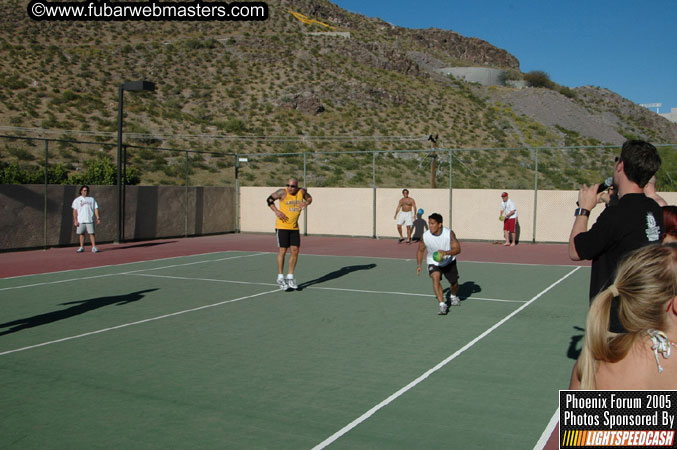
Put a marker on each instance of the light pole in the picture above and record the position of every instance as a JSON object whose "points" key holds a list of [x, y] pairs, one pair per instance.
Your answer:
{"points": [[131, 86], [433, 163]]}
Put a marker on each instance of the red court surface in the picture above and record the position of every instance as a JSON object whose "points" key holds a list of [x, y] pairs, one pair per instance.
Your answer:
{"points": [[65, 258]]}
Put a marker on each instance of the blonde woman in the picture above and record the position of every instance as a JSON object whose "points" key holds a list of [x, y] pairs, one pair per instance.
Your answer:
{"points": [[646, 291]]}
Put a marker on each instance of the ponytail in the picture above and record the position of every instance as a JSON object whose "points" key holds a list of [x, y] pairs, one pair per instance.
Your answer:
{"points": [[645, 283], [595, 345]]}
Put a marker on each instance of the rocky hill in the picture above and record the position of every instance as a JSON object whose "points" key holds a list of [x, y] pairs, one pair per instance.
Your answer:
{"points": [[284, 86]]}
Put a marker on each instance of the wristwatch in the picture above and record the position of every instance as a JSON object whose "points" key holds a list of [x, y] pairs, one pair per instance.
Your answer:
{"points": [[581, 212]]}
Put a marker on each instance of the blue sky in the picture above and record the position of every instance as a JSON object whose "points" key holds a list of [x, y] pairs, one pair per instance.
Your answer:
{"points": [[627, 46]]}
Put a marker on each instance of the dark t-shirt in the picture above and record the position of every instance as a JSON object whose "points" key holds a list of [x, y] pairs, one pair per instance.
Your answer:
{"points": [[635, 221], [420, 226]]}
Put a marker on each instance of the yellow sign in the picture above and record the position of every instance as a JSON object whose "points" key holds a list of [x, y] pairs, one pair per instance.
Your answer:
{"points": [[308, 21]]}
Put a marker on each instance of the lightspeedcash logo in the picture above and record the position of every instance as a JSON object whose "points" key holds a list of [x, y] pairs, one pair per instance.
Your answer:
{"points": [[104, 10]]}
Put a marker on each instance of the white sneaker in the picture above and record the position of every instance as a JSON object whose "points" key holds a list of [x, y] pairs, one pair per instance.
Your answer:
{"points": [[455, 301], [291, 283], [95, 250], [81, 249], [282, 284], [444, 309]]}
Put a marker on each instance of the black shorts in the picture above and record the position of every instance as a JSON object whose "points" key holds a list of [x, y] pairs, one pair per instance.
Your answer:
{"points": [[450, 271], [288, 238]]}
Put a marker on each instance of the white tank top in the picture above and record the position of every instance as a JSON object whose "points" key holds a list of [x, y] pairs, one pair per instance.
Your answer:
{"points": [[434, 243]]}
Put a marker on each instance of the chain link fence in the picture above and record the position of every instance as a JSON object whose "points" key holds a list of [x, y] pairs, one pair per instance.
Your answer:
{"points": [[563, 168], [26, 160], [57, 161]]}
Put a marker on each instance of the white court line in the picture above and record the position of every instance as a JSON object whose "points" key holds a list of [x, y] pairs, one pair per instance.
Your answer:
{"points": [[425, 375], [46, 283], [178, 313], [214, 280], [548, 432], [135, 273], [265, 253], [118, 265], [56, 282], [461, 261], [407, 293], [171, 277]]}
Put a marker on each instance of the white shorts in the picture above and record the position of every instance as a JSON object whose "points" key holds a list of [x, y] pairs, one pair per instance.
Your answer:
{"points": [[85, 226], [406, 218]]}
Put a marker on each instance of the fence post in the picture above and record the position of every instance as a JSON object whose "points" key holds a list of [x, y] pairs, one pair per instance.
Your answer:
{"points": [[533, 238], [46, 192], [237, 192], [123, 213], [185, 214], [373, 184], [451, 190], [305, 214]]}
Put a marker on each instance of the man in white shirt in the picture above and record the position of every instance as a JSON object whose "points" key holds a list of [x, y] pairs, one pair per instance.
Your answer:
{"points": [[508, 215], [443, 241], [85, 209]]}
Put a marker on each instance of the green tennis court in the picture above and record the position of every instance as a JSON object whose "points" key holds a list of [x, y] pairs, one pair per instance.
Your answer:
{"points": [[206, 352]]}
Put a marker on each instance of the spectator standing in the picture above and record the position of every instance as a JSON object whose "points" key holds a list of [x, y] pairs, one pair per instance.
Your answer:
{"points": [[669, 224], [645, 288], [85, 211], [404, 214], [508, 215], [633, 222], [420, 226]]}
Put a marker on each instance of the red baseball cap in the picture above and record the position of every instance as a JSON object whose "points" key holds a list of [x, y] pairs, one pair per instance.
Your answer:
{"points": [[505, 194]]}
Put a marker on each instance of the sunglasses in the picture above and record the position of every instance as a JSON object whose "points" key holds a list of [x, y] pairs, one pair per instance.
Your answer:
{"points": [[293, 185]]}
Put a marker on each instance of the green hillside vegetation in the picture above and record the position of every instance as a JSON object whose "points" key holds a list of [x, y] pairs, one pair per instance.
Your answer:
{"points": [[270, 88]]}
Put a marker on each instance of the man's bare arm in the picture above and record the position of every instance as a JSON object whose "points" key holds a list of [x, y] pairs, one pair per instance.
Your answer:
{"points": [[587, 199], [419, 256], [307, 199], [455, 246], [277, 195]]}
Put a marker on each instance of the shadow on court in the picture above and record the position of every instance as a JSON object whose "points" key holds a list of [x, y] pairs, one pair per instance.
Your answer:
{"points": [[145, 244], [336, 274], [80, 307], [467, 289], [576, 344]]}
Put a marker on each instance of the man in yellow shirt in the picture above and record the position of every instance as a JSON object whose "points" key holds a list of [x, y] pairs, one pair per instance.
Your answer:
{"points": [[292, 201]]}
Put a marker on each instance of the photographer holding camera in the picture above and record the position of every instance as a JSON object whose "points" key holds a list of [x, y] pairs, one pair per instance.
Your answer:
{"points": [[633, 222]]}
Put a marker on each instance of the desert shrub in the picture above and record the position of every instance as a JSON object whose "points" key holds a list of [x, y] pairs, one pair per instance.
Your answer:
{"points": [[102, 171], [512, 75], [20, 153], [538, 78], [14, 173], [567, 92]]}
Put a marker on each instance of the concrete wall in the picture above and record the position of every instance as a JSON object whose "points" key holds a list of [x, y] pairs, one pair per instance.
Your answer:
{"points": [[483, 75], [168, 211], [151, 212], [671, 116], [350, 212]]}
